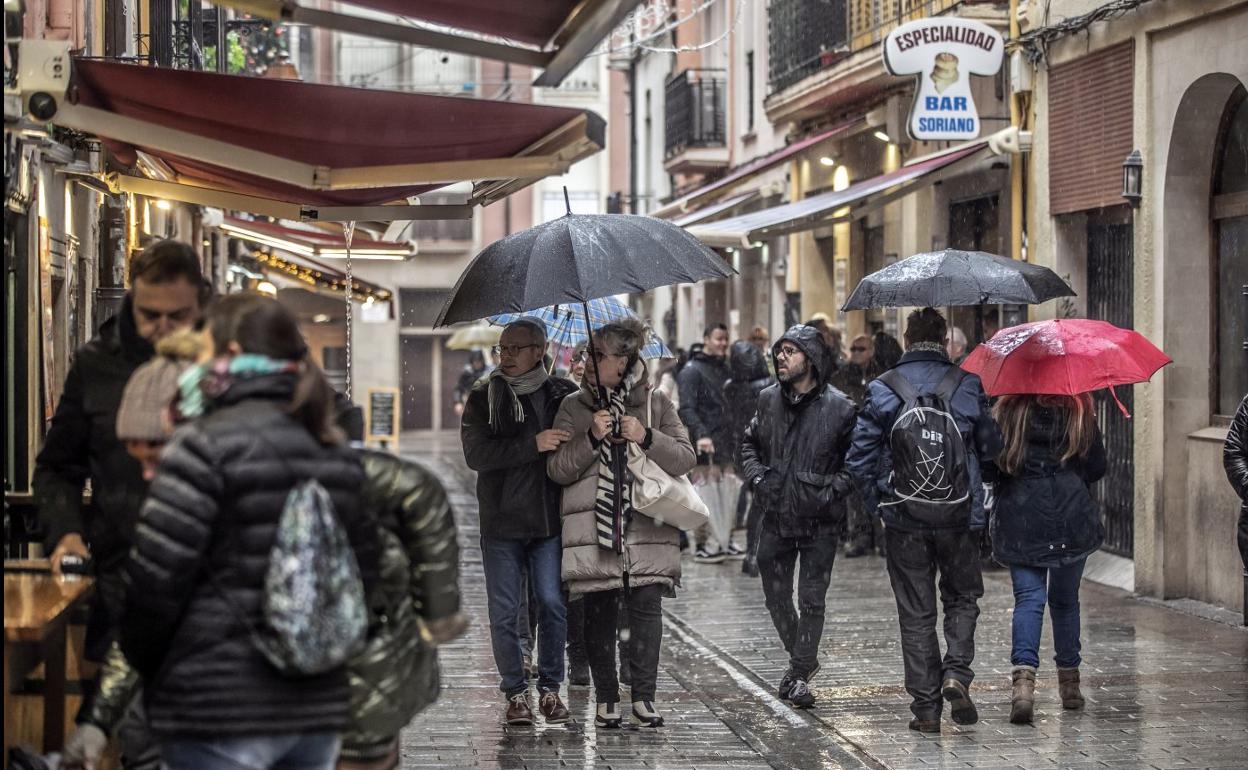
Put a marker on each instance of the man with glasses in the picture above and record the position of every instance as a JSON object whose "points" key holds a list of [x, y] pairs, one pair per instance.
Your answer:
{"points": [[793, 455], [507, 434]]}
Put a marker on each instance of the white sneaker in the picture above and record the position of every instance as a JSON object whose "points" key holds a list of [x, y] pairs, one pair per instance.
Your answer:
{"points": [[644, 712], [608, 715], [706, 556], [734, 552]]}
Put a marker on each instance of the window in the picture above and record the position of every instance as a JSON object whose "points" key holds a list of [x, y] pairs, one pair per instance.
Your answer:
{"points": [[1230, 274], [749, 92]]}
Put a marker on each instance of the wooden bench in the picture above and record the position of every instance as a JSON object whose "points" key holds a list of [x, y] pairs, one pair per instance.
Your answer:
{"points": [[37, 608]]}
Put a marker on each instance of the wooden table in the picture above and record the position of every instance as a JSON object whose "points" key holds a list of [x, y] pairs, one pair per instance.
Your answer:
{"points": [[37, 608]]}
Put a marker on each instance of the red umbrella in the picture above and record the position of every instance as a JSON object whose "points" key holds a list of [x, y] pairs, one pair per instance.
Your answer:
{"points": [[1064, 357]]}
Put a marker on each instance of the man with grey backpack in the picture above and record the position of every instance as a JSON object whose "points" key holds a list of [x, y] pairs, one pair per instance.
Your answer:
{"points": [[922, 434], [258, 483]]}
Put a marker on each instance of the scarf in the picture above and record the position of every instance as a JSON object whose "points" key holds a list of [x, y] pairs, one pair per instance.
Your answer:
{"points": [[201, 384], [614, 498], [506, 411], [928, 347]]}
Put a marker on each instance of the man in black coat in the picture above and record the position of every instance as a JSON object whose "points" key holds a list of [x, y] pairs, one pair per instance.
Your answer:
{"points": [[506, 434], [794, 457], [1235, 459], [167, 293], [704, 411]]}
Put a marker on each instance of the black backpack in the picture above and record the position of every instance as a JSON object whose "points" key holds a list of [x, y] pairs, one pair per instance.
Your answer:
{"points": [[930, 480]]}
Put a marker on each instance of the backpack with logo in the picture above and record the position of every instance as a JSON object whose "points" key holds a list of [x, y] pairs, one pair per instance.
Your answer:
{"points": [[930, 480], [314, 616]]}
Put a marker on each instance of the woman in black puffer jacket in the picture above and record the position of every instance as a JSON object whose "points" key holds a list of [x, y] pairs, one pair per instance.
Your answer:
{"points": [[750, 376], [1044, 526], [262, 422]]}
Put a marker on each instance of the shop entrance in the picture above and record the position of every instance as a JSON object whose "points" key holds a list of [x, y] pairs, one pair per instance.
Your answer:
{"points": [[1110, 267]]}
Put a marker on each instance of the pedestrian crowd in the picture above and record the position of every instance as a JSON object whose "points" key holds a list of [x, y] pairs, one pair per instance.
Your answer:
{"points": [[272, 594]]}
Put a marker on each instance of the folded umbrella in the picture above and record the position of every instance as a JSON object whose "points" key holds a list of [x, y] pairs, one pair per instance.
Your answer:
{"points": [[1064, 357], [566, 324], [475, 337], [954, 277]]}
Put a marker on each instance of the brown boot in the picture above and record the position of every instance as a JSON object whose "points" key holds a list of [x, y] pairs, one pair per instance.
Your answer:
{"points": [[1023, 699], [1068, 688]]}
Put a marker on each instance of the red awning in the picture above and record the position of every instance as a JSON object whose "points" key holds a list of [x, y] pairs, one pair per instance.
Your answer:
{"points": [[309, 242], [552, 34], [746, 170], [318, 145]]}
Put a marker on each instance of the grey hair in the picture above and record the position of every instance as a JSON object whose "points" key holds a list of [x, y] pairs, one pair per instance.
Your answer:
{"points": [[622, 338], [537, 329]]}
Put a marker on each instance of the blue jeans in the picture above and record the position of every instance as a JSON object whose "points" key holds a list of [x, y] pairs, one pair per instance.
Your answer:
{"points": [[292, 751], [1059, 588], [505, 560]]}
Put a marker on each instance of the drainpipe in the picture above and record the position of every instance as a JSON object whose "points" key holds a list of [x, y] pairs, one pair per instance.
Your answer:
{"points": [[632, 131], [1016, 163]]}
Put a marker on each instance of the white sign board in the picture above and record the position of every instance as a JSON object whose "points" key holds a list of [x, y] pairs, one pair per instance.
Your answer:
{"points": [[944, 52]]}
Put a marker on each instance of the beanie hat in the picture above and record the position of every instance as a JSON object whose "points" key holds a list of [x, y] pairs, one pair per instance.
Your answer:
{"points": [[153, 387]]}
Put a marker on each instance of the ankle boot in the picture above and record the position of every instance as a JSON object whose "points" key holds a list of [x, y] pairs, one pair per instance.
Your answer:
{"points": [[1068, 688], [1024, 697]]}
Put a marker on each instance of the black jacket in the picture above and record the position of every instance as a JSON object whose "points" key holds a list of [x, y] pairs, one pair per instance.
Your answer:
{"points": [[1044, 515], [870, 460], [515, 496], [794, 450], [703, 409], [1235, 458], [750, 376], [82, 444], [194, 581]]}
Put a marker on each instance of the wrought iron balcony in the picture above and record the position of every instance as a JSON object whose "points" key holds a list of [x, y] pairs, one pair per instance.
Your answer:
{"points": [[694, 120], [804, 36]]}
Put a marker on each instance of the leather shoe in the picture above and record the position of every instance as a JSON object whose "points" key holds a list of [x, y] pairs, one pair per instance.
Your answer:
{"points": [[519, 712], [552, 708], [961, 709], [925, 725]]}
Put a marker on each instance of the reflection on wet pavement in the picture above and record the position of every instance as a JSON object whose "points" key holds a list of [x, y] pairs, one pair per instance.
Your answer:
{"points": [[1163, 689]]}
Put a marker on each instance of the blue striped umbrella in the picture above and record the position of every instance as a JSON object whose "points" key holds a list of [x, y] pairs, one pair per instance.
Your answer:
{"points": [[566, 324]]}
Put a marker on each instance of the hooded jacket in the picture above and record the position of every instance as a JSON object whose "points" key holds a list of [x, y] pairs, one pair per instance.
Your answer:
{"points": [[1235, 460], [1045, 515], [516, 498], [651, 550], [702, 406], [870, 460], [195, 579], [750, 376], [82, 444], [794, 449]]}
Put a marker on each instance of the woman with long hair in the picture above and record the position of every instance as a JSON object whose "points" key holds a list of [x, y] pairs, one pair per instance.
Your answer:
{"points": [[611, 554], [259, 421], [1044, 526]]}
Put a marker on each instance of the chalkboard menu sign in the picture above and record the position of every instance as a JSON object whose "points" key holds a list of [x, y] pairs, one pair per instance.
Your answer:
{"points": [[382, 420]]}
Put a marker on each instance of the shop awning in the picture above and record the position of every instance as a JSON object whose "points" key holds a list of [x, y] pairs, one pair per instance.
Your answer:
{"points": [[307, 242], [551, 34], [692, 200], [320, 276], [818, 210], [715, 209], [307, 151]]}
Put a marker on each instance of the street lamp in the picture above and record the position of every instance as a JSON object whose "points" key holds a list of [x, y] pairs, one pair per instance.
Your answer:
{"points": [[1133, 178]]}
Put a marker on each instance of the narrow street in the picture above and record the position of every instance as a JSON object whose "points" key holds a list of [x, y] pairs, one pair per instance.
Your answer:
{"points": [[1164, 689]]}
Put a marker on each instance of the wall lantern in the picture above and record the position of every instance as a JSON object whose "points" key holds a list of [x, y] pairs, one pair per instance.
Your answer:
{"points": [[1133, 178]]}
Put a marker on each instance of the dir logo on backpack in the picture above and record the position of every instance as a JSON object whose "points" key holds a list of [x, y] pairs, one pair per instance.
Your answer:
{"points": [[930, 480]]}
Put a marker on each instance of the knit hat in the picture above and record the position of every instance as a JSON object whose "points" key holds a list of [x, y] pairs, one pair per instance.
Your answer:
{"points": [[153, 387]]}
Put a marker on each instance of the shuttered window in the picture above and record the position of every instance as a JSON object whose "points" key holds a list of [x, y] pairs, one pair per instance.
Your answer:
{"points": [[1090, 104]]}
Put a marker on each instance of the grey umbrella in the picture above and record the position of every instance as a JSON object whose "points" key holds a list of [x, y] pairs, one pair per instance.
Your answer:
{"points": [[955, 277], [577, 258]]}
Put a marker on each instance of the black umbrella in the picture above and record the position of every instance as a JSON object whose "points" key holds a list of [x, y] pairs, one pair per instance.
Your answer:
{"points": [[577, 258], [954, 277]]}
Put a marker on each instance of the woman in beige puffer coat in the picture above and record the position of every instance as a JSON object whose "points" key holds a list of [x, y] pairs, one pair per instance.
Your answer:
{"points": [[632, 557]]}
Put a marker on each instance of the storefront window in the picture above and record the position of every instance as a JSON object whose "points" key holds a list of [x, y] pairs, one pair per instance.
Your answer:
{"points": [[1231, 274]]}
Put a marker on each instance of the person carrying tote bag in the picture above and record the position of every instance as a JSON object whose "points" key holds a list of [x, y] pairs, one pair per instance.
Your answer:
{"points": [[659, 495], [612, 555]]}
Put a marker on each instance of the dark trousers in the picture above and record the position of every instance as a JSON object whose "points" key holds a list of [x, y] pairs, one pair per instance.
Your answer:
{"points": [[576, 629], [864, 528], [645, 634], [914, 558], [800, 628]]}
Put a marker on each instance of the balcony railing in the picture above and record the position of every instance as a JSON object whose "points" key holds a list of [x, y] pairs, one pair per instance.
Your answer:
{"points": [[807, 36], [694, 115]]}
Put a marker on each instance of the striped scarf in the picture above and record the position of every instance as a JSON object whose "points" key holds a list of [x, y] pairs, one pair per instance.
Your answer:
{"points": [[614, 492]]}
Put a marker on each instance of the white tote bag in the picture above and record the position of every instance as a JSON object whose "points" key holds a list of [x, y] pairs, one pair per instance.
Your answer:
{"points": [[659, 496]]}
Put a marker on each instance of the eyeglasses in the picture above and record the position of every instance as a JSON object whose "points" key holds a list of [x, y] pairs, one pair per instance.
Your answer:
{"points": [[787, 351], [857, 349], [512, 350]]}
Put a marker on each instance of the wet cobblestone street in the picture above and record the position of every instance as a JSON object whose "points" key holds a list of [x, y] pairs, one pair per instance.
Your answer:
{"points": [[1164, 689]]}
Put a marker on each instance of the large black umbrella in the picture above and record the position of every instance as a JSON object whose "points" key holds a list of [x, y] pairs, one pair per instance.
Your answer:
{"points": [[955, 277], [577, 258]]}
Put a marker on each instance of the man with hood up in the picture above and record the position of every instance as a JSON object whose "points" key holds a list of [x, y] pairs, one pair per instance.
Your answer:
{"points": [[793, 455]]}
